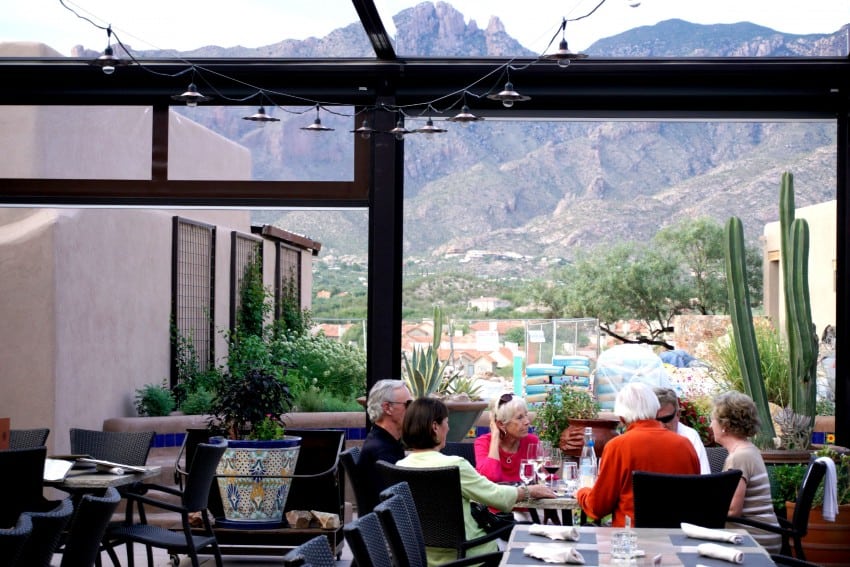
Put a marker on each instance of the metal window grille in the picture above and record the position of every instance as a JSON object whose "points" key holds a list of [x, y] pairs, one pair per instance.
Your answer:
{"points": [[193, 288], [244, 249], [288, 274]]}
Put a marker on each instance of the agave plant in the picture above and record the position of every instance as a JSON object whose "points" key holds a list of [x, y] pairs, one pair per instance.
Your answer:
{"points": [[424, 373]]}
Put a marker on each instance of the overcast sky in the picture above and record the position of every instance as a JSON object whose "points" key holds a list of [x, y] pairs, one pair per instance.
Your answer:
{"points": [[252, 23]]}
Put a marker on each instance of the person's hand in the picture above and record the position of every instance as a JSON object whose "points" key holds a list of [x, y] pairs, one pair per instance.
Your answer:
{"points": [[494, 428], [541, 491]]}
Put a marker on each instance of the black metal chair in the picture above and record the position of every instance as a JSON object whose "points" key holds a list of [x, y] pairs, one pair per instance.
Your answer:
{"points": [[707, 504], [797, 528], [791, 561], [125, 447], [192, 499], [716, 458], [12, 540], [404, 533], [83, 541], [350, 459], [28, 438], [367, 542], [47, 529], [440, 511], [22, 469], [460, 449], [312, 553]]}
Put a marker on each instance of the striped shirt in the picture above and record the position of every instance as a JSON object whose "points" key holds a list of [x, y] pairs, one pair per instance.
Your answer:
{"points": [[757, 500]]}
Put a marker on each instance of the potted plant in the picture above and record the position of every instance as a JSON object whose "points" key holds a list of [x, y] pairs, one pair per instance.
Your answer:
{"points": [[426, 375], [826, 542], [565, 413]]}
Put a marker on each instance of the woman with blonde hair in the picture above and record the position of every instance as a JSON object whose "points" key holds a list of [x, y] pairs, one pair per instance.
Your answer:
{"points": [[499, 452]]}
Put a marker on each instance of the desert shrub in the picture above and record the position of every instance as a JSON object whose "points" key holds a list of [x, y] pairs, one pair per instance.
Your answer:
{"points": [[154, 400]]}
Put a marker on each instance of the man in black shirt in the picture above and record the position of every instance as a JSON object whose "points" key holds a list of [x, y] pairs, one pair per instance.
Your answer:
{"points": [[387, 403]]}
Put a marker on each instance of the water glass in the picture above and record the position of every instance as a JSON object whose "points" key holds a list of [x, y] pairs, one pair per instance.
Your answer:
{"points": [[623, 545], [527, 471], [569, 476]]}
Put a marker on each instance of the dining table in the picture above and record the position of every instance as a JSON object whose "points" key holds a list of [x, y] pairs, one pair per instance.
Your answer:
{"points": [[91, 480], [565, 504], [656, 546]]}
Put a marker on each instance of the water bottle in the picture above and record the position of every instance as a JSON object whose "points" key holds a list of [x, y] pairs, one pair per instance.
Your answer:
{"points": [[587, 461]]}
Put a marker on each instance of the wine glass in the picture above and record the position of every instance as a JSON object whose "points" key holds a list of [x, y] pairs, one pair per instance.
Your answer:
{"points": [[527, 471], [544, 450], [552, 464]]}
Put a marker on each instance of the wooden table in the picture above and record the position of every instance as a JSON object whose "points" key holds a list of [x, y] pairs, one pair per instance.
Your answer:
{"points": [[88, 480], [675, 548], [565, 505]]}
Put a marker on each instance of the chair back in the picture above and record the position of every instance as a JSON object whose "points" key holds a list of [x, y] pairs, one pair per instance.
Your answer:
{"points": [[316, 484], [461, 449], [22, 469], [805, 497], [706, 504], [87, 528], [201, 475], [402, 529], [716, 458], [350, 459], [46, 533], [125, 447], [12, 540], [28, 438], [440, 511], [313, 553], [367, 542]]}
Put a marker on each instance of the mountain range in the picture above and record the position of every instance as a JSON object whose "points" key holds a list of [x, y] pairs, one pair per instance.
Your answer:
{"points": [[501, 198]]}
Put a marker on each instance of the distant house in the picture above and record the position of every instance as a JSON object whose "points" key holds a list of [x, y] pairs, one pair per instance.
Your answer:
{"points": [[487, 304]]}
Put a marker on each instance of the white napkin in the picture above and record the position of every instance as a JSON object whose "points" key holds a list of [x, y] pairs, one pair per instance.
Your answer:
{"points": [[554, 553], [718, 551], [109, 469], [699, 532], [830, 489], [565, 533]]}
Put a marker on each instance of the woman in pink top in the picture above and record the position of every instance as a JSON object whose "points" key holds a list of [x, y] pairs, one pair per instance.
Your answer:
{"points": [[498, 453]]}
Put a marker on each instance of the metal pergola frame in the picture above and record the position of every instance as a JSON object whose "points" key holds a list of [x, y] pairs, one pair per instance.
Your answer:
{"points": [[599, 89]]}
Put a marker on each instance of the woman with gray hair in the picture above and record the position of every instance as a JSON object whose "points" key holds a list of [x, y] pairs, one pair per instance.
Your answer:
{"points": [[734, 420], [498, 453], [645, 446]]}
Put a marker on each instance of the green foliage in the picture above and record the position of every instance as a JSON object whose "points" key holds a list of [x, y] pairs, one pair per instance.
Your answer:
{"points": [[464, 385], [515, 335], [773, 358], [355, 335], [254, 304], [192, 376], [199, 402], [245, 400], [269, 428], [553, 416], [154, 400], [335, 368], [293, 320], [312, 400], [424, 373], [786, 479]]}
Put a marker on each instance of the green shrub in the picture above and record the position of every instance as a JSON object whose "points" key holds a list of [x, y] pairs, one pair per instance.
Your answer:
{"points": [[312, 400], [334, 368], [198, 402], [154, 400]]}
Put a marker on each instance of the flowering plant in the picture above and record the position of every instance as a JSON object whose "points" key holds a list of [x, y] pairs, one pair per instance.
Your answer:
{"points": [[271, 427], [697, 417]]}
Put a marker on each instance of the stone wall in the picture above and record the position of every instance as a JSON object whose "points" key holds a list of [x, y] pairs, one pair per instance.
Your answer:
{"points": [[694, 333]]}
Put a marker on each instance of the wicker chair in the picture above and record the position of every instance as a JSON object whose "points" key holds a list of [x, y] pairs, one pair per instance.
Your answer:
{"points": [[313, 553], [46, 534], [707, 504], [22, 469], [83, 542], [716, 458], [461, 449], [125, 447], [367, 542], [12, 540], [28, 438], [350, 459]]}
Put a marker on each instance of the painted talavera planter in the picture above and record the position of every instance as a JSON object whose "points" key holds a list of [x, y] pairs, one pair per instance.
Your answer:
{"points": [[250, 481]]}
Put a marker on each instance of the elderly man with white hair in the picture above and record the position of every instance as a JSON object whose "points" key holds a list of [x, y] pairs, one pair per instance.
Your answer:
{"points": [[386, 405], [646, 445]]}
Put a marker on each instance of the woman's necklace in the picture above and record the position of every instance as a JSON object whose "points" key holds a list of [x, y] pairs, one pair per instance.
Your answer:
{"points": [[510, 453]]}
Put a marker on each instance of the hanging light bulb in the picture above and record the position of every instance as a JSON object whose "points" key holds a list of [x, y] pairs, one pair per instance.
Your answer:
{"points": [[429, 128], [564, 56], [465, 116], [508, 96], [364, 130], [399, 131], [316, 126], [261, 117], [108, 61], [191, 97]]}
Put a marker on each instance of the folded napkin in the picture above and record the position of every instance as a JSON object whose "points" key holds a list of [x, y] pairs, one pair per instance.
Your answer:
{"points": [[830, 486], [554, 553], [109, 469], [566, 533], [699, 532], [718, 551]]}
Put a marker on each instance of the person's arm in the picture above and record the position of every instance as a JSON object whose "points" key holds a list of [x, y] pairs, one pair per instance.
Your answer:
{"points": [[736, 507], [601, 500], [481, 489]]}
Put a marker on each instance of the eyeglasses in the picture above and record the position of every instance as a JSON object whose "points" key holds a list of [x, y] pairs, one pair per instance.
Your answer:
{"points": [[405, 403], [667, 418], [504, 398]]}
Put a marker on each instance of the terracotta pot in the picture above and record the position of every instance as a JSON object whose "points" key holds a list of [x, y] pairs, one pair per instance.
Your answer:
{"points": [[827, 543], [572, 438]]}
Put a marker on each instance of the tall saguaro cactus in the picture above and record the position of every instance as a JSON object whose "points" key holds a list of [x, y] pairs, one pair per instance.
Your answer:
{"points": [[800, 333], [742, 326]]}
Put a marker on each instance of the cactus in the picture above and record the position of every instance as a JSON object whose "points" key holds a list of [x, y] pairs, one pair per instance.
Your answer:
{"points": [[742, 326], [802, 341]]}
